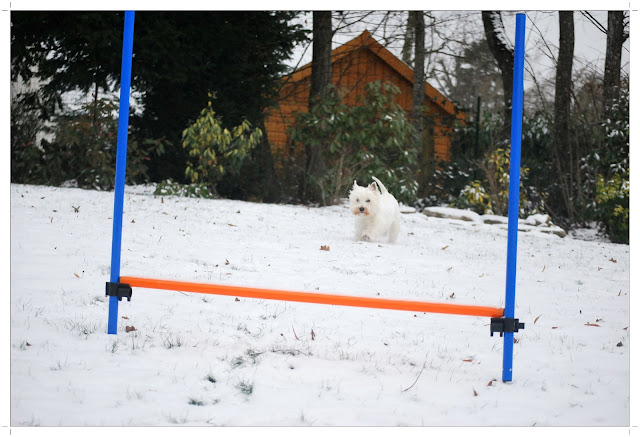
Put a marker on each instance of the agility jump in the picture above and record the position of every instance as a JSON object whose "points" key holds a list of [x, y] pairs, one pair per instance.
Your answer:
{"points": [[502, 319], [328, 299]]}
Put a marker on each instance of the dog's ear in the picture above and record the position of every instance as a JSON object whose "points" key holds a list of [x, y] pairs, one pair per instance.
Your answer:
{"points": [[373, 187]]}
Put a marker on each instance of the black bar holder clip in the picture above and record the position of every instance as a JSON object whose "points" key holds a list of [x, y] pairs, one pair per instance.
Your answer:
{"points": [[119, 290], [502, 325]]}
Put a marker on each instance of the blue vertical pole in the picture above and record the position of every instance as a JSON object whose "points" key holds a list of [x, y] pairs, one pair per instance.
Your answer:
{"points": [[121, 164], [514, 193]]}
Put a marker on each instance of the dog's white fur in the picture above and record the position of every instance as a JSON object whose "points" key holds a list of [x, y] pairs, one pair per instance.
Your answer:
{"points": [[377, 212]]}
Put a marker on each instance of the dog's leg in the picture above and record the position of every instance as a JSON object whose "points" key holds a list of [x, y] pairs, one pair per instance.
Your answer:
{"points": [[366, 234], [371, 232], [394, 230]]}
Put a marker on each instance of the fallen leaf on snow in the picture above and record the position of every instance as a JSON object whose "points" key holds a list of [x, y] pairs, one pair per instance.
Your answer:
{"points": [[591, 324], [444, 248], [76, 275], [613, 260], [130, 328], [327, 248], [475, 393], [534, 322]]}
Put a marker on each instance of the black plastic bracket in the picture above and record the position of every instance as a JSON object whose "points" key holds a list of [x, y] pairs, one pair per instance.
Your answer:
{"points": [[502, 325], [119, 290]]}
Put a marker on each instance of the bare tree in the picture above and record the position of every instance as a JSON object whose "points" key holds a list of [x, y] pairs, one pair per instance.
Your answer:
{"points": [[320, 80], [616, 36], [321, 62], [422, 123], [407, 47], [564, 156], [495, 34], [418, 71]]}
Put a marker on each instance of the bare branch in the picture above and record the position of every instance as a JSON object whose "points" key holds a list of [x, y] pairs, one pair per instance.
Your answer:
{"points": [[595, 22], [414, 382]]}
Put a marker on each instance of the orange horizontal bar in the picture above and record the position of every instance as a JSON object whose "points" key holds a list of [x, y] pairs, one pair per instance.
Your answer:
{"points": [[328, 299]]}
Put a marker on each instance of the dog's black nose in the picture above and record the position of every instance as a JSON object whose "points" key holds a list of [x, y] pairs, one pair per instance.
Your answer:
{"points": [[362, 209]]}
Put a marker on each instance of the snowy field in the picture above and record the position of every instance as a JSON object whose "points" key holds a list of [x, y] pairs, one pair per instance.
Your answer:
{"points": [[191, 359]]}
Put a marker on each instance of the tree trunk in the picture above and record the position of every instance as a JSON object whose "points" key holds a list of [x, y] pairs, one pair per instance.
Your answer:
{"points": [[320, 79], [495, 34], [613, 59], [566, 162], [409, 37], [321, 62], [418, 72], [266, 189], [424, 143]]}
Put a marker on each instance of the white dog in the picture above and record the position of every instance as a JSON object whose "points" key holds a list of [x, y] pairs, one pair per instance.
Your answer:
{"points": [[377, 212]]}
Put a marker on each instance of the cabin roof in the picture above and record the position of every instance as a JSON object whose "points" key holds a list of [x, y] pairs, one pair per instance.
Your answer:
{"points": [[365, 40]]}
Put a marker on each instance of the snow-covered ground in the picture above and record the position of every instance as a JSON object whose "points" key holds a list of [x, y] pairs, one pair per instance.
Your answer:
{"points": [[196, 359]]}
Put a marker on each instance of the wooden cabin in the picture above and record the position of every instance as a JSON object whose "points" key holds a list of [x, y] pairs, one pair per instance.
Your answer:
{"points": [[355, 64]]}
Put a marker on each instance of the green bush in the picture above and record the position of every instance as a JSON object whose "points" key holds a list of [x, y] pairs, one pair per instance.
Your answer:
{"points": [[215, 151], [448, 180], [612, 181], [612, 199], [373, 138], [477, 176], [26, 156], [491, 195], [83, 150]]}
